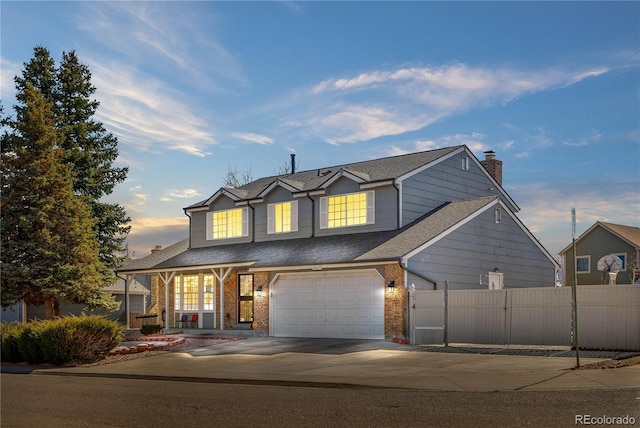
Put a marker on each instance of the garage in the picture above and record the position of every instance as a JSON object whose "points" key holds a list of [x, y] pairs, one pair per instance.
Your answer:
{"points": [[347, 305]]}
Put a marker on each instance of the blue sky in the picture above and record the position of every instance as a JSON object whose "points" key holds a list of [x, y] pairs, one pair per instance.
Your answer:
{"points": [[192, 89]]}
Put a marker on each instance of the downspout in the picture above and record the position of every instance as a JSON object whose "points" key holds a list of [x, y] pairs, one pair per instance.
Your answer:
{"points": [[187, 214], [313, 216], [253, 222], [399, 207], [419, 275]]}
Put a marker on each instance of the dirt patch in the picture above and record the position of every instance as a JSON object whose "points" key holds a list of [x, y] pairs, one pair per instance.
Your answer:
{"points": [[612, 364], [188, 343]]}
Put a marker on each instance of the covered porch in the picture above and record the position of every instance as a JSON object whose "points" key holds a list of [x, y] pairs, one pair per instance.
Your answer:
{"points": [[196, 297]]}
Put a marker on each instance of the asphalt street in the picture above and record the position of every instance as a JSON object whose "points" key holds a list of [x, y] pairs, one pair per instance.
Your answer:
{"points": [[67, 401]]}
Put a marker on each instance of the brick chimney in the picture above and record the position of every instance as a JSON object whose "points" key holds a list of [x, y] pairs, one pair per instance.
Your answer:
{"points": [[155, 250], [493, 165]]}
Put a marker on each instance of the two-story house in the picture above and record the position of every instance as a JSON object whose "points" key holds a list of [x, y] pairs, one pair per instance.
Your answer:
{"points": [[331, 252]]}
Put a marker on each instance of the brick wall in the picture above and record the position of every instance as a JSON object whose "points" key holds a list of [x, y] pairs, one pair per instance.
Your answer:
{"points": [[261, 304], [394, 303]]}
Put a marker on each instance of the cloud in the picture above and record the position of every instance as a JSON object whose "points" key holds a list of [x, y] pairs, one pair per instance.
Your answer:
{"points": [[408, 99], [475, 142], [546, 209], [9, 69], [173, 194], [167, 37], [593, 137], [146, 113], [253, 138]]}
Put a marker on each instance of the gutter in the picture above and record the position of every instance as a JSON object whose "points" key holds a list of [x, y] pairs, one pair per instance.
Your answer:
{"points": [[419, 275]]}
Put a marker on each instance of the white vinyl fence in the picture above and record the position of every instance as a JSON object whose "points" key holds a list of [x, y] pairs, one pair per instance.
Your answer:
{"points": [[608, 316]]}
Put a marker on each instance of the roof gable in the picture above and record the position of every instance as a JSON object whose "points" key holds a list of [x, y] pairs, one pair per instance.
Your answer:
{"points": [[317, 179], [629, 234]]}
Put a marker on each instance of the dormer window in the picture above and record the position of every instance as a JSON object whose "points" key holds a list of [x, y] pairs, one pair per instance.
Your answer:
{"points": [[353, 209], [227, 224], [282, 217]]}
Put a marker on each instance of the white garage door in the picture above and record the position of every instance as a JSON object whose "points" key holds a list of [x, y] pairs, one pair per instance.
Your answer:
{"points": [[348, 305]]}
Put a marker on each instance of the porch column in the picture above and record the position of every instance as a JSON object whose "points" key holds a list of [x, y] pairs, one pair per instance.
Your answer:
{"points": [[166, 278], [221, 278], [127, 301]]}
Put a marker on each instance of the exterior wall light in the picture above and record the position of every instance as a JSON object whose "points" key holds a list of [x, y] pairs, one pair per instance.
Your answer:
{"points": [[259, 291], [391, 286]]}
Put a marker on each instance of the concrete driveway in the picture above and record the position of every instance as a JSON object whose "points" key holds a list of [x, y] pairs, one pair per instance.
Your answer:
{"points": [[281, 345], [370, 363]]}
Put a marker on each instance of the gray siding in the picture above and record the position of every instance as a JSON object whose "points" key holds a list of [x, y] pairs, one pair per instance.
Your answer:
{"points": [[386, 203], [444, 182], [597, 244], [282, 195], [199, 225], [480, 246]]}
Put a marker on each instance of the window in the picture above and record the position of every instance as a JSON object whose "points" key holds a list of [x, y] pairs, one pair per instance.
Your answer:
{"points": [[497, 215], [190, 293], [352, 209], [227, 224], [623, 257], [245, 298], [209, 295], [464, 163], [282, 217], [583, 264]]}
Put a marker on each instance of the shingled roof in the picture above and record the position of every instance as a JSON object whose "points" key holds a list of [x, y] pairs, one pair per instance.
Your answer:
{"points": [[369, 171], [360, 247]]}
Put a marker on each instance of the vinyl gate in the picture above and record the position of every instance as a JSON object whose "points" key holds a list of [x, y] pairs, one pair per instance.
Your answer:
{"points": [[608, 316]]}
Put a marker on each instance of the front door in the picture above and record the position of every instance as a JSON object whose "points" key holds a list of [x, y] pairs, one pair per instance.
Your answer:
{"points": [[245, 298]]}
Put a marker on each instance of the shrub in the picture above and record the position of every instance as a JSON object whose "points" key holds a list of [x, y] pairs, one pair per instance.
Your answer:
{"points": [[150, 329], [65, 340], [10, 337], [29, 343]]}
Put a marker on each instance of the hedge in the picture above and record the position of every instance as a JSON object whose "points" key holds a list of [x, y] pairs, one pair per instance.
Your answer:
{"points": [[71, 339]]}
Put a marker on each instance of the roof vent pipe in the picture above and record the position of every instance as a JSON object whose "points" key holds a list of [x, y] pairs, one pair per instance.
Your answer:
{"points": [[293, 163]]}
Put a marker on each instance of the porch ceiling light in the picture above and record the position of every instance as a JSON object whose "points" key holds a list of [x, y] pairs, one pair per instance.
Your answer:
{"points": [[391, 286]]}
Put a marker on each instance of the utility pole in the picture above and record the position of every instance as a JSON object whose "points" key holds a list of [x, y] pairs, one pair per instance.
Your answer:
{"points": [[574, 288]]}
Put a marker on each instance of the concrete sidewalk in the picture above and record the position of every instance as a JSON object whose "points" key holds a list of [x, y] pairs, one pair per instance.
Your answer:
{"points": [[367, 365]]}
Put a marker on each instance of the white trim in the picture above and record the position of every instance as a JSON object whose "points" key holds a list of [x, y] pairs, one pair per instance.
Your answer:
{"points": [[319, 267], [244, 226], [189, 268], [365, 186], [191, 210], [293, 218], [586, 256], [370, 196]]}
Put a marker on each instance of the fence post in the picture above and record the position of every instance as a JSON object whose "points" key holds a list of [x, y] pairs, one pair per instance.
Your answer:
{"points": [[446, 313]]}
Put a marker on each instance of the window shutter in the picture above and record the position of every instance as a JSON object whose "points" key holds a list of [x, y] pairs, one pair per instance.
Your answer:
{"points": [[270, 218], [294, 216], [323, 213], [371, 207], [245, 221], [209, 231]]}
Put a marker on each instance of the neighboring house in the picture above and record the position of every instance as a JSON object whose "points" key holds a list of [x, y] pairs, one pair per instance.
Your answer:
{"points": [[138, 302], [331, 252], [600, 240]]}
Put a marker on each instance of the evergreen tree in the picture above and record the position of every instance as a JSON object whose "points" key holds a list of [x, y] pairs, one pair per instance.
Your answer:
{"points": [[49, 249], [90, 149]]}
